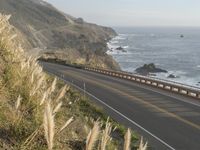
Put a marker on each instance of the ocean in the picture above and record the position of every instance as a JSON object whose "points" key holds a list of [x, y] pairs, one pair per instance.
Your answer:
{"points": [[162, 46]]}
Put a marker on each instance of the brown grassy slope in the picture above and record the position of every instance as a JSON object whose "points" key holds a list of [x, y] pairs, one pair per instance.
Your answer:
{"points": [[36, 111], [48, 29]]}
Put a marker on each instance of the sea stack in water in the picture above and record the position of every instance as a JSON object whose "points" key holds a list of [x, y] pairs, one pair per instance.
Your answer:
{"points": [[120, 49], [172, 76], [149, 68]]}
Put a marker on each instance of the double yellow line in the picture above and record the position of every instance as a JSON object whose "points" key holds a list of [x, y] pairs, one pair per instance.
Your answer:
{"points": [[116, 89]]}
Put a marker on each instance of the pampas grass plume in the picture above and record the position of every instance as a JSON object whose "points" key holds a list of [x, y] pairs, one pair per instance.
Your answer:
{"points": [[93, 136], [127, 140], [66, 124], [106, 135], [49, 125], [142, 146], [18, 102]]}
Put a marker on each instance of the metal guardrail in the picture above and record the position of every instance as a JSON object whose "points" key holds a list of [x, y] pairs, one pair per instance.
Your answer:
{"points": [[174, 87]]}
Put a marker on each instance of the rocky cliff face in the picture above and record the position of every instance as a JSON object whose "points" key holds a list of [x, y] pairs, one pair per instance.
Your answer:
{"points": [[54, 33]]}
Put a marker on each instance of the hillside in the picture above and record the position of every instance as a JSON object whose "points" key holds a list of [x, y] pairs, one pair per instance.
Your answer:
{"points": [[46, 29], [39, 112]]}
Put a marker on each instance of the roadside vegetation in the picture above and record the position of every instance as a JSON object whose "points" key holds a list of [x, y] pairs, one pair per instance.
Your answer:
{"points": [[40, 112]]}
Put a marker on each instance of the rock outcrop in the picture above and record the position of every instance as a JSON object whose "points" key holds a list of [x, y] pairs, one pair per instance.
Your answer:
{"points": [[121, 49], [149, 68], [171, 76]]}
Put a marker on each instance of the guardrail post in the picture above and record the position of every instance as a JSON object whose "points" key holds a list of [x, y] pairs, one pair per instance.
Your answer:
{"points": [[173, 87], [167, 87], [148, 82]]}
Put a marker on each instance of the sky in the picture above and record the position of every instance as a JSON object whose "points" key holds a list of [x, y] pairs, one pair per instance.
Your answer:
{"points": [[133, 12]]}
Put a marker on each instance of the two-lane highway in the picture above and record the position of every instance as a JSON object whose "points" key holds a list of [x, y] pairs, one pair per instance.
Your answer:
{"points": [[167, 120]]}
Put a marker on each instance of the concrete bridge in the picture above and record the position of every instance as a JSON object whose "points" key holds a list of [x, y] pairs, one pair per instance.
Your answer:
{"points": [[166, 113]]}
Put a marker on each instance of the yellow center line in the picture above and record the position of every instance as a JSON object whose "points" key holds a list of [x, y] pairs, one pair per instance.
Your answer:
{"points": [[103, 84]]}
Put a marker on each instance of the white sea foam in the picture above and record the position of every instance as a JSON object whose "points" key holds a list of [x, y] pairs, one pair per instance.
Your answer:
{"points": [[123, 35], [112, 46], [180, 78], [114, 42], [117, 52], [119, 38], [143, 48], [125, 47]]}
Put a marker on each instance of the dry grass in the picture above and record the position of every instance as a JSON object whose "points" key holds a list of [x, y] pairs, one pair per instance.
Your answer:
{"points": [[40, 121], [49, 125], [93, 136], [18, 102], [106, 135], [66, 124], [23, 75], [127, 140], [142, 146]]}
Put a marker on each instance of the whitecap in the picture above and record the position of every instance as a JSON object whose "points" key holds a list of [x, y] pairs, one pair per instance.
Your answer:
{"points": [[181, 78], [123, 34], [119, 38], [114, 42], [125, 47]]}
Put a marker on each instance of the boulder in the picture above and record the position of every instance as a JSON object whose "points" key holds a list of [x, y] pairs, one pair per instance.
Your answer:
{"points": [[171, 76], [121, 49], [149, 68]]}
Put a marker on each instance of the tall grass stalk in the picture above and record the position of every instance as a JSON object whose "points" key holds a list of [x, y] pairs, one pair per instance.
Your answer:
{"points": [[127, 140], [142, 146], [44, 97], [66, 124], [58, 106], [93, 136], [49, 125], [61, 94], [18, 102], [53, 86], [106, 135]]}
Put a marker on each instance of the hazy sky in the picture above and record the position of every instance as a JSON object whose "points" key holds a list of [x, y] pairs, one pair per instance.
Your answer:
{"points": [[134, 12]]}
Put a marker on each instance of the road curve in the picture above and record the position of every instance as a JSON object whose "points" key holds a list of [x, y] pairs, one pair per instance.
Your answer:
{"points": [[166, 120]]}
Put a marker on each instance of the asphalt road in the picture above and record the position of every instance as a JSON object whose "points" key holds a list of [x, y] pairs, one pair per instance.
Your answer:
{"points": [[168, 121]]}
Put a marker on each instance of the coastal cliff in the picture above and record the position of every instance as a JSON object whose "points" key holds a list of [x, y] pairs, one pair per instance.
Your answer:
{"points": [[50, 33]]}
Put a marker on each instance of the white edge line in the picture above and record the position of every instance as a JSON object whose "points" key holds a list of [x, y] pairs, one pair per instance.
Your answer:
{"points": [[116, 111], [153, 90], [172, 96]]}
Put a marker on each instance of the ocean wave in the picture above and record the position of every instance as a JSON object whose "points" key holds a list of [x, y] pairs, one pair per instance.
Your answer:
{"points": [[119, 38], [180, 78], [112, 46], [114, 42], [121, 34], [125, 47], [116, 52]]}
